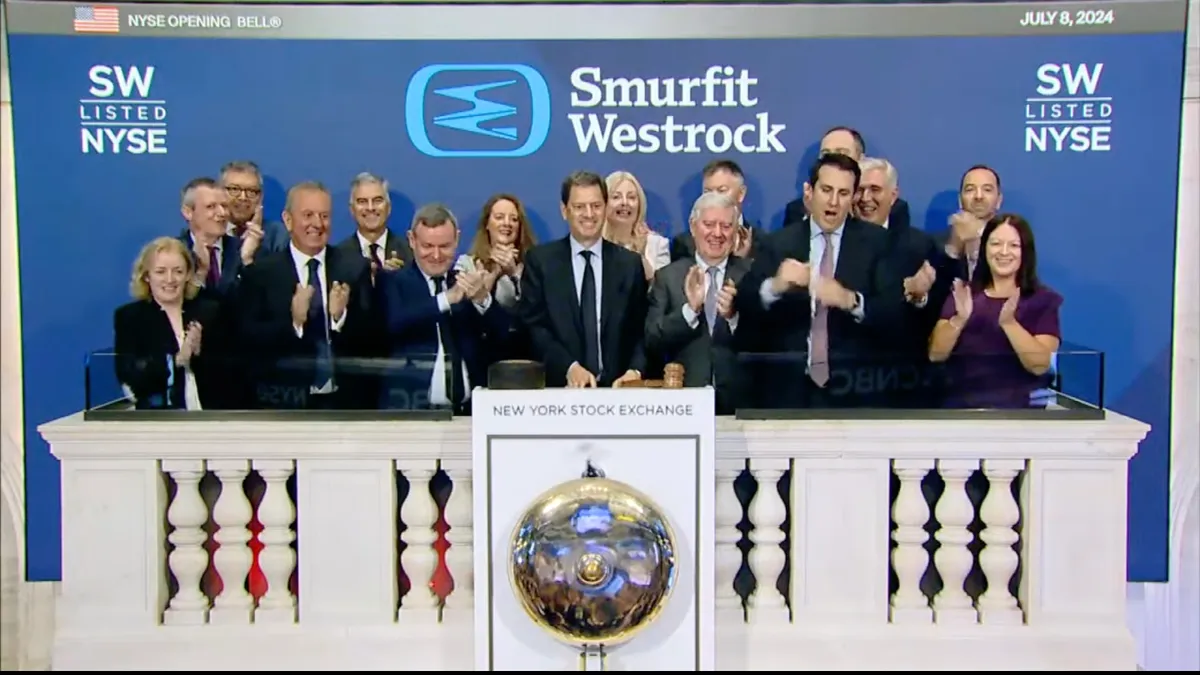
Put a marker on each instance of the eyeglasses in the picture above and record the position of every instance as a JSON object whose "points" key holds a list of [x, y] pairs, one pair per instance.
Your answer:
{"points": [[238, 191]]}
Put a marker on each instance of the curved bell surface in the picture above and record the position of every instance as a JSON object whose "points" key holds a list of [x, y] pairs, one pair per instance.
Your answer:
{"points": [[593, 561]]}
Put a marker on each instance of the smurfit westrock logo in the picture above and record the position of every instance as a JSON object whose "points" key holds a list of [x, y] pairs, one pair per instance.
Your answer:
{"points": [[477, 110]]}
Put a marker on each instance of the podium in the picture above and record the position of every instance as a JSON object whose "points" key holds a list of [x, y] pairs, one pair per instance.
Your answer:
{"points": [[661, 442]]}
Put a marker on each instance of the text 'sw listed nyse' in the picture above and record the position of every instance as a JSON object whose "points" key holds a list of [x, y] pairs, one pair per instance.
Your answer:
{"points": [[120, 114], [1069, 112]]}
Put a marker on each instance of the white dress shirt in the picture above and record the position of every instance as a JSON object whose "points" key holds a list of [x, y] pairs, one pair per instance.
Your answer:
{"points": [[437, 383], [364, 245], [693, 317], [191, 393]]}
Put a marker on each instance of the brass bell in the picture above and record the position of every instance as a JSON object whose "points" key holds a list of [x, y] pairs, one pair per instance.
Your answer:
{"points": [[593, 561]]}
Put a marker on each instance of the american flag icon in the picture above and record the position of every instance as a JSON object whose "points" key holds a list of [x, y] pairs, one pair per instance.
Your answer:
{"points": [[97, 19]]}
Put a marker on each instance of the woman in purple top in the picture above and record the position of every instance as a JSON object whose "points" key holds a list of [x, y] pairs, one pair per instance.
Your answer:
{"points": [[997, 335]]}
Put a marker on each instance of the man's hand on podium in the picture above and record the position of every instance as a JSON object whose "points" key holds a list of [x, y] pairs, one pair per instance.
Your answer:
{"points": [[629, 376], [578, 377]]}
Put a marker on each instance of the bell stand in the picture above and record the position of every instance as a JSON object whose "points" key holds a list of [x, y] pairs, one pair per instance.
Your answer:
{"points": [[593, 658]]}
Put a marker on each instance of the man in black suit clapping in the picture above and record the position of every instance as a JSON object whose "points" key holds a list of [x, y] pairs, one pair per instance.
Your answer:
{"points": [[583, 299], [305, 307], [822, 293]]}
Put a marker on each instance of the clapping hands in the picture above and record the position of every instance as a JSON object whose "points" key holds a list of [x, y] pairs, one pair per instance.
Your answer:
{"points": [[917, 286], [190, 346], [474, 286]]}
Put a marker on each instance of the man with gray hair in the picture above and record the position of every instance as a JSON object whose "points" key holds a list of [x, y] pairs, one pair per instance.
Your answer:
{"points": [[691, 320], [438, 320], [926, 271], [243, 184], [371, 206], [306, 311], [726, 177]]}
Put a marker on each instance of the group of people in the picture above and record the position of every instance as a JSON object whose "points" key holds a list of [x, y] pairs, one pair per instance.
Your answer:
{"points": [[847, 305]]}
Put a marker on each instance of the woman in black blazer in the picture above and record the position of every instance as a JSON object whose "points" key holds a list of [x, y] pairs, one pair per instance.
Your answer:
{"points": [[158, 336]]}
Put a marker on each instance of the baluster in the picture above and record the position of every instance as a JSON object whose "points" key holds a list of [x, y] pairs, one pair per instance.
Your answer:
{"points": [[767, 558], [277, 559], [909, 558], [419, 560], [728, 514], [999, 513], [954, 512], [460, 558], [232, 558], [187, 514]]}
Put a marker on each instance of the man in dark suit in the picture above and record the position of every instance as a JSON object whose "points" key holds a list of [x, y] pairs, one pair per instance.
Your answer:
{"points": [[437, 320], [303, 309], [583, 299], [844, 141], [218, 255], [726, 177], [822, 294], [926, 273], [691, 319], [218, 262], [371, 206]]}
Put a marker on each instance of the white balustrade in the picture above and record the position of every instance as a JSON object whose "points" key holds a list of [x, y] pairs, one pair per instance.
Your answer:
{"points": [[1060, 542], [955, 512], [767, 559], [233, 558], [910, 559], [277, 559], [419, 559], [999, 560], [460, 557], [187, 514], [728, 515]]}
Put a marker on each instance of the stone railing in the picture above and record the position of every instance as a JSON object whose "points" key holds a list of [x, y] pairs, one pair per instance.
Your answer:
{"points": [[863, 544]]}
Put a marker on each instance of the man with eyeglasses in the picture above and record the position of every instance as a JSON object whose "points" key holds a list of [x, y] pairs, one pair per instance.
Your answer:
{"points": [[243, 185]]}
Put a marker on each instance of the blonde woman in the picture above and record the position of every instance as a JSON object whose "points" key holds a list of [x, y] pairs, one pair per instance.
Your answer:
{"points": [[625, 223], [158, 337], [501, 241]]}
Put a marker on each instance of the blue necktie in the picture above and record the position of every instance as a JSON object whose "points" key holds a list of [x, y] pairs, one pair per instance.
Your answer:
{"points": [[317, 328]]}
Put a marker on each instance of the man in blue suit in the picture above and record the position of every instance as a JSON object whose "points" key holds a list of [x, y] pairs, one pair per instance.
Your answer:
{"points": [[439, 321]]}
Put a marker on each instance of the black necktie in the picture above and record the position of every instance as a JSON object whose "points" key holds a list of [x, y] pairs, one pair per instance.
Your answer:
{"points": [[316, 327], [591, 324], [455, 388], [375, 256]]}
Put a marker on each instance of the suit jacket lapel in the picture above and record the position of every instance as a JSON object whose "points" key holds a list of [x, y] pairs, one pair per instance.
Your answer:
{"points": [[846, 261], [735, 269], [611, 292], [806, 243], [564, 278], [231, 258]]}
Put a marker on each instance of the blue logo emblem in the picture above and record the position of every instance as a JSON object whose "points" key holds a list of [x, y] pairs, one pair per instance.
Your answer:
{"points": [[508, 113]]}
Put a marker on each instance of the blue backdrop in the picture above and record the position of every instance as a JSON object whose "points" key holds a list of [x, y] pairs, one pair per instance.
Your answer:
{"points": [[1103, 203]]}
